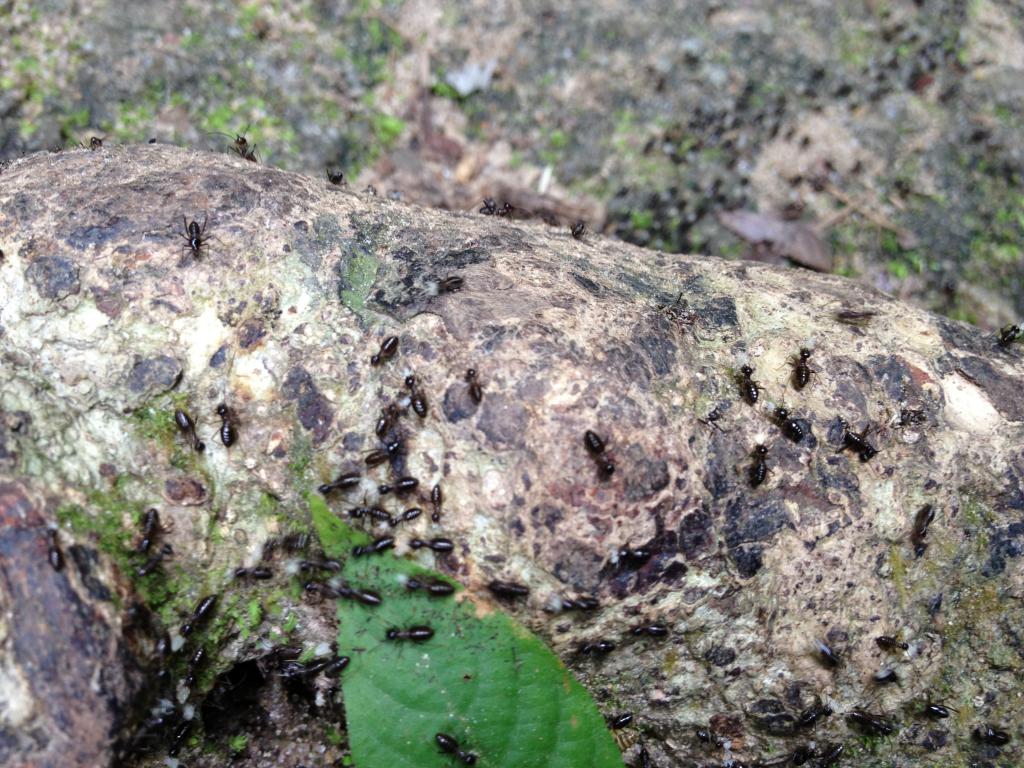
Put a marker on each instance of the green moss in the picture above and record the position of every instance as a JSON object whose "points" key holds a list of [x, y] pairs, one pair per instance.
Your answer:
{"points": [[301, 457], [290, 623], [387, 128], [899, 571], [641, 219], [334, 736], [360, 274], [238, 743]]}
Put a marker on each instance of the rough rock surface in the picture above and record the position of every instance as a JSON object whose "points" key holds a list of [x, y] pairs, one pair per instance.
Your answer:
{"points": [[108, 322]]}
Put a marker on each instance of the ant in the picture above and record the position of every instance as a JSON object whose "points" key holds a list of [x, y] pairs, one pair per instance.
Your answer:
{"points": [[337, 178], [241, 147], [790, 427], [388, 347], [151, 529], [890, 643], [922, 520], [450, 284], [759, 469], [801, 370], [417, 634], [596, 648], [595, 447], [54, 555], [711, 420], [1007, 335], [580, 604], [203, 609], [857, 441], [633, 558], [450, 746], [408, 516], [989, 734], [154, 560], [375, 547], [96, 142], [871, 725], [388, 417], [188, 427], [437, 544], [377, 457], [228, 430], [195, 236], [855, 316], [813, 714], [258, 573], [749, 389], [828, 657], [650, 630], [578, 230], [619, 721], [434, 588], [476, 391], [886, 676], [417, 399], [343, 482], [509, 589], [436, 497], [938, 711]]}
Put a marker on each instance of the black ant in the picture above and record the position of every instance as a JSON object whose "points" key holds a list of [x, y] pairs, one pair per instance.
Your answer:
{"points": [[437, 544], [596, 648], [578, 230], [195, 236], [203, 609], [476, 392], [407, 516], [436, 497], [749, 389], [337, 178], [434, 588], [937, 711], [827, 656], [595, 447], [450, 284], [579, 604], [508, 589], [989, 734], [259, 573], [759, 469], [54, 555], [812, 715], [188, 428], [179, 738], [633, 558], [450, 746], [388, 347], [490, 207], [228, 430], [375, 547], [650, 630], [242, 148], [1007, 335], [619, 721], [96, 142], [417, 399], [855, 316], [417, 634], [890, 643], [343, 482], [857, 442], [922, 520], [154, 560], [711, 420], [151, 529], [886, 676], [401, 486], [379, 456], [801, 370], [789, 426], [871, 725], [388, 417]]}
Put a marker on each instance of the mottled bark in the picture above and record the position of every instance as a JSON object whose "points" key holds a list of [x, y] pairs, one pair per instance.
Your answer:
{"points": [[108, 321]]}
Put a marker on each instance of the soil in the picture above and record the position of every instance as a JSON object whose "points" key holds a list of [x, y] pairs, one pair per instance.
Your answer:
{"points": [[890, 129]]}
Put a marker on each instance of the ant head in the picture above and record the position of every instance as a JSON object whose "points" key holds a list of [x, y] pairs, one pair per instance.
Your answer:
{"points": [[746, 370], [222, 410], [761, 449], [805, 353]]}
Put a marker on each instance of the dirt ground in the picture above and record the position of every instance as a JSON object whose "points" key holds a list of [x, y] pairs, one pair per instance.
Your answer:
{"points": [[879, 140]]}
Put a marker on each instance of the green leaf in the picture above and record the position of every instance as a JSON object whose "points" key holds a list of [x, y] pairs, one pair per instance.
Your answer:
{"points": [[481, 678]]}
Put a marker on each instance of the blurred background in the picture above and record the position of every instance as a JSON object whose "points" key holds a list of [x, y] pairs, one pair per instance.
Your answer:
{"points": [[877, 139]]}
